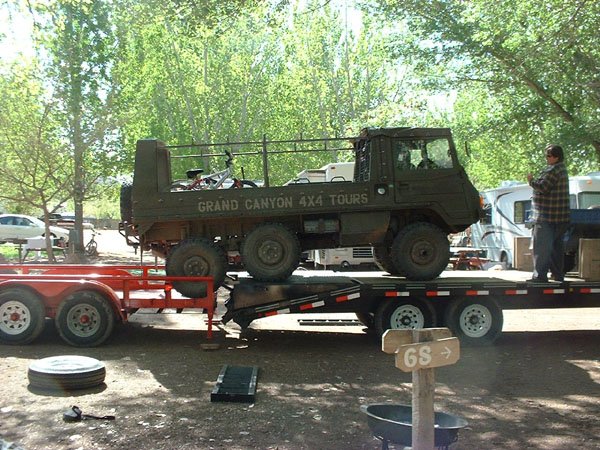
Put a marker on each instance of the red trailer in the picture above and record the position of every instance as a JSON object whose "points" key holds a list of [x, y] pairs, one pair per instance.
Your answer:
{"points": [[86, 301]]}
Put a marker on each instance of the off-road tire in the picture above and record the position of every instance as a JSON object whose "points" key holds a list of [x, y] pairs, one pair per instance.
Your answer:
{"points": [[126, 203], [271, 252], [197, 257], [22, 315], [420, 251], [383, 260], [85, 319]]}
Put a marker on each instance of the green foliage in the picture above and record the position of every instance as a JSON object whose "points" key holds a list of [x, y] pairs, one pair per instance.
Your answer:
{"points": [[526, 73]]}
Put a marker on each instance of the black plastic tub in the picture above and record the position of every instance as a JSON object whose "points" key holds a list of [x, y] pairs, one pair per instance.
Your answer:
{"points": [[393, 423]]}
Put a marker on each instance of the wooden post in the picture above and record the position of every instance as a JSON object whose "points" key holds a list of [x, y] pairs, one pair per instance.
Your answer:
{"points": [[423, 391], [419, 352]]}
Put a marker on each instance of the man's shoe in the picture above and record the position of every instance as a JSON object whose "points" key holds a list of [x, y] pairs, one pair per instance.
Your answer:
{"points": [[559, 279], [537, 280]]}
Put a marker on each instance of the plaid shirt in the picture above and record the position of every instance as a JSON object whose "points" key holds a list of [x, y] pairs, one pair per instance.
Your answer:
{"points": [[551, 195]]}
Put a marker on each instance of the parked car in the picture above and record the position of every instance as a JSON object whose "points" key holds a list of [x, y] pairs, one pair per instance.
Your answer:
{"points": [[19, 226], [67, 220]]}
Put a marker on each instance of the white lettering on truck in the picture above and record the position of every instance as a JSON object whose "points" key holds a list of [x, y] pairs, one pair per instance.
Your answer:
{"points": [[268, 203], [218, 206]]}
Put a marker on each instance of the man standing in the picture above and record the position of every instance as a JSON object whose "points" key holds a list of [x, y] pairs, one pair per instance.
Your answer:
{"points": [[551, 215]]}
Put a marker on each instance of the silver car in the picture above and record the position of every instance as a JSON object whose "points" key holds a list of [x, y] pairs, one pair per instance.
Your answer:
{"points": [[20, 227]]}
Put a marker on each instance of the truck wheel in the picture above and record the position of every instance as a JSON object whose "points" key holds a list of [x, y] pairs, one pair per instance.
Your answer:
{"points": [[383, 260], [474, 321], [126, 203], [420, 251], [271, 252], [404, 315], [367, 319], [22, 315], [85, 319], [196, 258]]}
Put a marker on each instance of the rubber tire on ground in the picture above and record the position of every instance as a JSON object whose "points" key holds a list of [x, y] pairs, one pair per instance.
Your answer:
{"points": [[271, 252], [474, 321], [22, 315], [67, 372], [404, 314], [85, 319], [126, 202], [197, 257], [420, 251], [383, 260]]}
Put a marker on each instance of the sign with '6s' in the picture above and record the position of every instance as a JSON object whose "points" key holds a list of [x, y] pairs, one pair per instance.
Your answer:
{"points": [[427, 355]]}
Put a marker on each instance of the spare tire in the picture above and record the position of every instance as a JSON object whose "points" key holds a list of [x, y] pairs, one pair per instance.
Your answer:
{"points": [[126, 203], [66, 372]]}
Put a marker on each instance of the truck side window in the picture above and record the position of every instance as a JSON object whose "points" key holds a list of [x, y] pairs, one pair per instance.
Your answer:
{"points": [[435, 154], [402, 156]]}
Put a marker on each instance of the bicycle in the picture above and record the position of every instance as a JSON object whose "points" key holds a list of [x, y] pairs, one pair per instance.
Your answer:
{"points": [[91, 248], [214, 180]]}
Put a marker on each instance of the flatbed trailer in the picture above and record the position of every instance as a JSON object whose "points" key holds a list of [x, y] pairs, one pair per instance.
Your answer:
{"points": [[471, 306], [86, 301]]}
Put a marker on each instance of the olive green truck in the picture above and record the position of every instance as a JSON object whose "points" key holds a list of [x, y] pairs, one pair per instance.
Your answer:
{"points": [[407, 194]]}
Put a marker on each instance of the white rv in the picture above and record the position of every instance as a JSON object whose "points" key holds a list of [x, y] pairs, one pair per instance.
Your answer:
{"points": [[342, 258], [508, 213]]}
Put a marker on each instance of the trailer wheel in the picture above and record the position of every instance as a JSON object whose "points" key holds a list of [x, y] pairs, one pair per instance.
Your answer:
{"points": [[404, 315], [22, 315], [85, 319], [199, 258], [66, 372], [420, 251], [474, 321], [271, 252]]}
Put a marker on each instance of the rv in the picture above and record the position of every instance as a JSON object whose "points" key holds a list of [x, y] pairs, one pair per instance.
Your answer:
{"points": [[337, 258], [508, 214]]}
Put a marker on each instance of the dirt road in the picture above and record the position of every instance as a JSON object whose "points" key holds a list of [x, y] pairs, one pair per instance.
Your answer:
{"points": [[536, 388]]}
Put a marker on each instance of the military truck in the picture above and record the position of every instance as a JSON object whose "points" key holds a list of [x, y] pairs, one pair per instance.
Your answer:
{"points": [[408, 193]]}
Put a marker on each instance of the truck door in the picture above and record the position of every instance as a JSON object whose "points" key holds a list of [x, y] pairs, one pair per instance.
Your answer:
{"points": [[427, 173]]}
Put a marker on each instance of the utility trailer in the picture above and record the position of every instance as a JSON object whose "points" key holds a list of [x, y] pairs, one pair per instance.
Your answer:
{"points": [[471, 306], [86, 301]]}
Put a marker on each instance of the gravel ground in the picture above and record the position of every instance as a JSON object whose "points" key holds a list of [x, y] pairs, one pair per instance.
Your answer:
{"points": [[536, 388]]}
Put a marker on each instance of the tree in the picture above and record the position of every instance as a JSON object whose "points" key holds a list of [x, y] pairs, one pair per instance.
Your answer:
{"points": [[78, 39], [35, 170], [528, 69]]}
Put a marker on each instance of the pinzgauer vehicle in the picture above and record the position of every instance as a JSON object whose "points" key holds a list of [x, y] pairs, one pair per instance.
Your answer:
{"points": [[408, 193]]}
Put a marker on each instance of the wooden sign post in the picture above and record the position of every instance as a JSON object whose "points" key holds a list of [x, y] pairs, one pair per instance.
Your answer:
{"points": [[419, 352]]}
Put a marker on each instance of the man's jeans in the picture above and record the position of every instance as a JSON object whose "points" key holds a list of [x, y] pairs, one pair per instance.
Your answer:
{"points": [[548, 249]]}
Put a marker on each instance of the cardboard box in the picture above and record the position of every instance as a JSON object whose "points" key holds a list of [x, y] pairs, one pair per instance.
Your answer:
{"points": [[589, 259], [523, 258]]}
